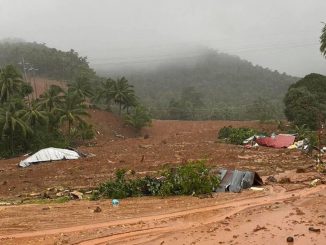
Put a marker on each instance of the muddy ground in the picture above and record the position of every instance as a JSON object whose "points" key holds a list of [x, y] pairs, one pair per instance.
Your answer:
{"points": [[256, 217]]}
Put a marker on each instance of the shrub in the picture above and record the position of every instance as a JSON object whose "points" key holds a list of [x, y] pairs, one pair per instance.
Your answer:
{"points": [[192, 178], [138, 118], [236, 135], [225, 132]]}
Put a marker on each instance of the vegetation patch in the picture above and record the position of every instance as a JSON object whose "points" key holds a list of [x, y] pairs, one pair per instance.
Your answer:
{"points": [[235, 135], [193, 178]]}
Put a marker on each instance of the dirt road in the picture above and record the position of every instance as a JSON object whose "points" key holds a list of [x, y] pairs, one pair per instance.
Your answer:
{"points": [[266, 217]]}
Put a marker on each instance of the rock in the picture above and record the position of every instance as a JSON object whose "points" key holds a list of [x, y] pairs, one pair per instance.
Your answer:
{"points": [[146, 136], [145, 146], [5, 203], [60, 194], [97, 210], [46, 208], [271, 179], [285, 180], [88, 192], [46, 195], [299, 211], [314, 229], [76, 195], [315, 182], [35, 194], [258, 228], [289, 239], [300, 170], [59, 188]]}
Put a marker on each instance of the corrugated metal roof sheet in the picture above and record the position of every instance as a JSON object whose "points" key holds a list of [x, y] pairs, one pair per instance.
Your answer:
{"points": [[236, 180]]}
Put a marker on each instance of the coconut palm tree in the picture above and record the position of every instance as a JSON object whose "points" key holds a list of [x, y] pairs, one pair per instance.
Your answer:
{"points": [[52, 98], [131, 101], [323, 41], [12, 123], [81, 87], [72, 110], [34, 114], [106, 93], [10, 83], [122, 92]]}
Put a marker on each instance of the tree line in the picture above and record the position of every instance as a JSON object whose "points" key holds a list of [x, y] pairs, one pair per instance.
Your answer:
{"points": [[57, 117], [228, 88], [305, 101]]}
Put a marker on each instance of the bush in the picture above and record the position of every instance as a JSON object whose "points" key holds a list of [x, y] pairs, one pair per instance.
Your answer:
{"points": [[192, 178], [235, 135], [83, 131], [138, 118], [225, 132]]}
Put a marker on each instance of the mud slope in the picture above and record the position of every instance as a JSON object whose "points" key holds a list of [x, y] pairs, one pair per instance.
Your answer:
{"points": [[169, 142]]}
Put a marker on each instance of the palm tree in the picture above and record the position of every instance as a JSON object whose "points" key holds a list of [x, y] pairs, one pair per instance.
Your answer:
{"points": [[12, 123], [81, 87], [323, 41], [34, 114], [10, 83], [131, 101], [122, 92], [72, 110], [105, 92], [52, 98]]}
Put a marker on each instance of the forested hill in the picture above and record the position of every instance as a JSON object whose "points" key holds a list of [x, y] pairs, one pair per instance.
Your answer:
{"points": [[47, 62], [228, 87], [210, 85]]}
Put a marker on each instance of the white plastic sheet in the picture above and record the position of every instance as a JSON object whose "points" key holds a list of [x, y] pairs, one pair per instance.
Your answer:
{"points": [[49, 154]]}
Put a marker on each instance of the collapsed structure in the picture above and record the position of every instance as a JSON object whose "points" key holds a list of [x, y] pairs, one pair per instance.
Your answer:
{"points": [[274, 141], [236, 180]]}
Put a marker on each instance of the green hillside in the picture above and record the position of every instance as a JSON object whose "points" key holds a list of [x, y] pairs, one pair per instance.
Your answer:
{"points": [[210, 85], [228, 87], [48, 62]]}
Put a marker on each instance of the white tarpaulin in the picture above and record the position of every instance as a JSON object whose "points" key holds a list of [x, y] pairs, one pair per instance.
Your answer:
{"points": [[49, 154]]}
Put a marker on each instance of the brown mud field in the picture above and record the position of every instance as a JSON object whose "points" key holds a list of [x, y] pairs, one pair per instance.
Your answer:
{"points": [[292, 208]]}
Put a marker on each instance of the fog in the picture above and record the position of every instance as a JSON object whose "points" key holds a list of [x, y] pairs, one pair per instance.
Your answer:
{"points": [[279, 34]]}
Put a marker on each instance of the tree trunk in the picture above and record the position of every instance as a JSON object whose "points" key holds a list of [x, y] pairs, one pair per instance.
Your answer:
{"points": [[69, 128], [12, 142]]}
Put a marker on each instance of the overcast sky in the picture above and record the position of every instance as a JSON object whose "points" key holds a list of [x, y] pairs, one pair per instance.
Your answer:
{"points": [[279, 34]]}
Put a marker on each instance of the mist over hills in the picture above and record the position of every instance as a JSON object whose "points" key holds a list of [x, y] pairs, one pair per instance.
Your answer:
{"points": [[224, 82], [205, 84]]}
